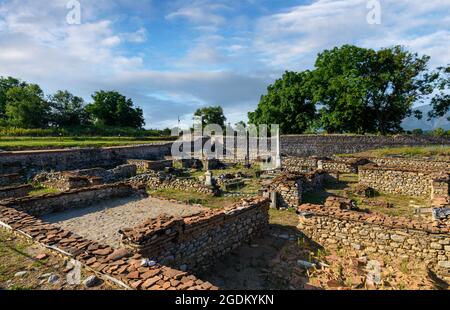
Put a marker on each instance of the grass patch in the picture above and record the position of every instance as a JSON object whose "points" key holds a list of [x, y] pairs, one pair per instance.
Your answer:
{"points": [[347, 183], [31, 143], [195, 198], [283, 218], [439, 152], [40, 190]]}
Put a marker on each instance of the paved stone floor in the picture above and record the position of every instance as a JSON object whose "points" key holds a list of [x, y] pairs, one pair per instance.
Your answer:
{"points": [[101, 222]]}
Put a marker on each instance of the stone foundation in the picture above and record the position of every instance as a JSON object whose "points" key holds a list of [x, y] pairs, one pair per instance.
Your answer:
{"points": [[196, 242], [156, 182], [147, 165], [10, 179], [15, 191], [78, 198], [415, 183], [129, 270], [379, 234]]}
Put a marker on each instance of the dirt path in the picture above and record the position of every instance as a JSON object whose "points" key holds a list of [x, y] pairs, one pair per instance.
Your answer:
{"points": [[101, 222]]}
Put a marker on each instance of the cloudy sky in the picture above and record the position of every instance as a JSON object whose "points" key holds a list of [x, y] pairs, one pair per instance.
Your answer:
{"points": [[172, 57]]}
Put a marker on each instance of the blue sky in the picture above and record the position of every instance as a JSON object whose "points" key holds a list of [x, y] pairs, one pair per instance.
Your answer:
{"points": [[172, 57]]}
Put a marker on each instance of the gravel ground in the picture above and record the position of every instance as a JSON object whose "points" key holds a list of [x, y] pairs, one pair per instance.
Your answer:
{"points": [[101, 222]]}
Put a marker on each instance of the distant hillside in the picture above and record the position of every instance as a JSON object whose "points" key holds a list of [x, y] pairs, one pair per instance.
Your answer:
{"points": [[411, 123]]}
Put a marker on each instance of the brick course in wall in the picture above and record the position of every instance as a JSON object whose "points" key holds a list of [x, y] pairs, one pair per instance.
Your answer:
{"points": [[119, 266], [379, 233], [197, 241]]}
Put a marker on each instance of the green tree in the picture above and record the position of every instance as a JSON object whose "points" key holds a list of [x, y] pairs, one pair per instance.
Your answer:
{"points": [[441, 101], [67, 110], [287, 103], [211, 115], [26, 107], [110, 108], [363, 90], [6, 83]]}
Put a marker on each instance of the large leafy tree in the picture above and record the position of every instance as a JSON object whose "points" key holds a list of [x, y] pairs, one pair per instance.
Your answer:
{"points": [[363, 90], [110, 108], [6, 83], [26, 107], [287, 103], [67, 110], [440, 79], [211, 115]]}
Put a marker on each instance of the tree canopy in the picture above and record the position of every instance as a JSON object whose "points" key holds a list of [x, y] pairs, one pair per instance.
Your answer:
{"points": [[287, 103], [26, 107], [355, 90], [113, 109], [211, 115], [67, 110]]}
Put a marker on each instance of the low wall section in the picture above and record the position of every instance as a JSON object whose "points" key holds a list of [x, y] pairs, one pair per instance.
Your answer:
{"points": [[415, 183], [77, 198], [379, 234], [196, 242], [31, 162]]}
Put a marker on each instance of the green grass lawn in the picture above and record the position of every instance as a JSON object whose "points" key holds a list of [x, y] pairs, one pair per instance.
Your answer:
{"points": [[29, 143], [424, 151]]}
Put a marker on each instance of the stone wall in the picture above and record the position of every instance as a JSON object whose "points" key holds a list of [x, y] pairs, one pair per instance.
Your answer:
{"points": [[406, 163], [124, 268], [15, 191], [289, 187], [415, 183], [146, 165], [348, 166], [30, 163], [297, 164], [155, 182], [379, 234], [195, 242], [10, 179], [77, 198], [68, 180], [328, 145]]}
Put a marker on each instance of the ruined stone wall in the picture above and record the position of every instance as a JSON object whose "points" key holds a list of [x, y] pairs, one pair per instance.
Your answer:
{"points": [[291, 187], [128, 270], [328, 145], [297, 164], [379, 234], [68, 180], [30, 163], [413, 183], [407, 163], [155, 182], [195, 242], [77, 198], [146, 165], [15, 191], [10, 179], [339, 166]]}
